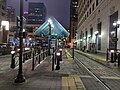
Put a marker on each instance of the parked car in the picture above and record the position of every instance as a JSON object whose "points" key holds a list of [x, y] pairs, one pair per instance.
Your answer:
{"points": [[5, 48]]}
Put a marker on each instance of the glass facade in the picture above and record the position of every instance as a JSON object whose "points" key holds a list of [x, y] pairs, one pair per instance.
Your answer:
{"points": [[36, 13]]}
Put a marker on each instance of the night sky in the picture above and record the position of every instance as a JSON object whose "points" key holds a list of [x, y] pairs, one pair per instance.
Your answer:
{"points": [[60, 9]]}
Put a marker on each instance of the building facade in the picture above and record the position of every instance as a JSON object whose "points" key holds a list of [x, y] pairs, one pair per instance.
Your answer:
{"points": [[10, 14], [95, 24], [73, 19], [36, 13], [2, 17]]}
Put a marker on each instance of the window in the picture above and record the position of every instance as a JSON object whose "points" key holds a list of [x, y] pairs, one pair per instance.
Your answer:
{"points": [[99, 25], [90, 10], [90, 1], [96, 2], [91, 32], [93, 6]]}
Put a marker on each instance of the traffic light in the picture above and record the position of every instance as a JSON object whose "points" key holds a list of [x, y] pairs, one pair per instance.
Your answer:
{"points": [[24, 22], [18, 22]]}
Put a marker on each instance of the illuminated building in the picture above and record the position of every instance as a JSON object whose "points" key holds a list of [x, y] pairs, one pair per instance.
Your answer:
{"points": [[73, 19], [95, 19], [10, 14], [36, 13], [2, 16]]}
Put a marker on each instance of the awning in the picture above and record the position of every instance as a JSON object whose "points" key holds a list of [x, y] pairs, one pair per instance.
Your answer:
{"points": [[56, 29]]}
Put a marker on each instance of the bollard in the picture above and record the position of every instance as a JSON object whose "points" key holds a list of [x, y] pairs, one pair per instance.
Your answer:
{"points": [[73, 53], [115, 57], [112, 59], [60, 54], [118, 59], [12, 60], [53, 62], [58, 61], [112, 56], [107, 55]]}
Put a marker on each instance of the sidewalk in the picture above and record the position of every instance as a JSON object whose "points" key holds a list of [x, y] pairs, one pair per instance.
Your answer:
{"points": [[43, 78], [101, 58]]}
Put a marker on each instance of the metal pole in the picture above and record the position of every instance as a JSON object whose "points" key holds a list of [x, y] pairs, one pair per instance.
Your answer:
{"points": [[107, 55], [49, 39], [115, 54], [118, 59], [53, 58], [73, 51], [20, 78]]}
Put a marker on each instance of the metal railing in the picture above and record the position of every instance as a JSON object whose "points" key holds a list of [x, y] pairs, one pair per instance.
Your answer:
{"points": [[34, 54], [38, 56]]}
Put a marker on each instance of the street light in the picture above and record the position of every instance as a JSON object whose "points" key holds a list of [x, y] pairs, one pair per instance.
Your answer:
{"points": [[116, 26], [49, 37], [20, 78]]}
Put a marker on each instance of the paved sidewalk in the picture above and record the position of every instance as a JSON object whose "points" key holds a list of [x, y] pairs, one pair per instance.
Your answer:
{"points": [[43, 78]]}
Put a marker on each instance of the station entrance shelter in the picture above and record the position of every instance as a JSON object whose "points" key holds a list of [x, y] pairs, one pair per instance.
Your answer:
{"points": [[52, 30]]}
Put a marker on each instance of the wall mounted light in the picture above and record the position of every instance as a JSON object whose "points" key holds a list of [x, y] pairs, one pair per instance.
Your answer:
{"points": [[6, 24], [89, 36], [96, 32]]}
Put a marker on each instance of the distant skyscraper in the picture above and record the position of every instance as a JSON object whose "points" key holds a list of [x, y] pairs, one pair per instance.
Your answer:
{"points": [[10, 14], [2, 10], [36, 13], [73, 19], [2, 17]]}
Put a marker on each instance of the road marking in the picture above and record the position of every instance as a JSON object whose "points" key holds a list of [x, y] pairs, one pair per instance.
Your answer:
{"points": [[68, 54], [85, 76], [93, 56], [72, 83], [107, 77]]}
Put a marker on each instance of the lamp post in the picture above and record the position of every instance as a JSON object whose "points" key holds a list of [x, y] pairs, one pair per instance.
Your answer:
{"points": [[73, 50], [116, 26], [49, 36], [20, 78]]}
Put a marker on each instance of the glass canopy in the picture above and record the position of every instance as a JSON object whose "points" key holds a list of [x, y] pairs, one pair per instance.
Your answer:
{"points": [[56, 29]]}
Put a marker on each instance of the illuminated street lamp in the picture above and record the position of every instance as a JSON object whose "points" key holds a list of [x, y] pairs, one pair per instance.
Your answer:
{"points": [[49, 36], [116, 26]]}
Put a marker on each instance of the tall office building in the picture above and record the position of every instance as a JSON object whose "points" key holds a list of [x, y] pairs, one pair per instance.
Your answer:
{"points": [[2, 10], [2, 17], [36, 13], [10, 14], [73, 19], [95, 24]]}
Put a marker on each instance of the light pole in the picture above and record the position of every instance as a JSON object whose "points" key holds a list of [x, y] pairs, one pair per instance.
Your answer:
{"points": [[96, 41], [20, 78], [116, 26], [50, 24], [49, 37]]}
